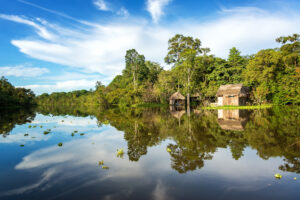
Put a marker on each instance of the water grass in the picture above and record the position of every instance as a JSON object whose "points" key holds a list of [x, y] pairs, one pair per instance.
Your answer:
{"points": [[238, 107], [47, 131], [120, 153], [101, 162]]}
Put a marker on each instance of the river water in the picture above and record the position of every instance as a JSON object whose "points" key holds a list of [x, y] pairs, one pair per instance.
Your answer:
{"points": [[54, 153]]}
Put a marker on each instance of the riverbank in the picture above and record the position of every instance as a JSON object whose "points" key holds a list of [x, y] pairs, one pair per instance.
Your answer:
{"points": [[237, 107]]}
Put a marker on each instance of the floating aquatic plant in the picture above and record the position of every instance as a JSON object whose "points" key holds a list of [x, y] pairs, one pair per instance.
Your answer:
{"points": [[22, 145], [295, 178], [101, 162], [278, 176], [72, 134], [47, 132], [34, 126], [75, 131], [33, 137], [62, 120], [26, 134], [41, 126], [169, 150], [120, 152], [60, 144], [29, 126], [81, 134], [105, 167]]}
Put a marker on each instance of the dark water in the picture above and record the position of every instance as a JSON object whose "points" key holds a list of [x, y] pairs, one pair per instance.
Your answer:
{"points": [[168, 154]]}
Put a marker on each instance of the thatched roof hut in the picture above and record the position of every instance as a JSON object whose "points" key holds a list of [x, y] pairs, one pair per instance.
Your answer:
{"points": [[232, 94], [232, 90], [177, 99]]}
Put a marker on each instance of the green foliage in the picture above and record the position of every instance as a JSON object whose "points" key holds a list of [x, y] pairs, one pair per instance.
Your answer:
{"points": [[11, 96], [271, 74]]}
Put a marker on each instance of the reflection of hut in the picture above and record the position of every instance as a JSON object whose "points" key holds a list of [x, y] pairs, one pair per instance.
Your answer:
{"points": [[177, 99], [233, 94], [234, 120], [195, 97]]}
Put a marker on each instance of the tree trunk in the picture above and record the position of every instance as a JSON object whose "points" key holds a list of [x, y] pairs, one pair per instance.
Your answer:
{"points": [[188, 93]]}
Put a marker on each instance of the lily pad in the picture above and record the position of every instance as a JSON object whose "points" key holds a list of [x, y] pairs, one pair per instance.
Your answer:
{"points": [[278, 176], [120, 153], [22, 145], [105, 167], [101, 162]]}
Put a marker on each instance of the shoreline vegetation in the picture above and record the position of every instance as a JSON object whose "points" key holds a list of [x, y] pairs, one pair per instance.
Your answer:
{"points": [[263, 106], [272, 75]]}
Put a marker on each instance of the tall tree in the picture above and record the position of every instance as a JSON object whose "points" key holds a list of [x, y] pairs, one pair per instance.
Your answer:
{"points": [[236, 65], [183, 49], [135, 66]]}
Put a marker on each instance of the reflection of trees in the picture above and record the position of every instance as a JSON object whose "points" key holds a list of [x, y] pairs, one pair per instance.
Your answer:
{"points": [[273, 133], [10, 118]]}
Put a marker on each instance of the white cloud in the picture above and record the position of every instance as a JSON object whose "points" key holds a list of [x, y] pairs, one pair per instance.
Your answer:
{"points": [[101, 5], [155, 8], [41, 31], [123, 12], [62, 86], [101, 48], [22, 71]]}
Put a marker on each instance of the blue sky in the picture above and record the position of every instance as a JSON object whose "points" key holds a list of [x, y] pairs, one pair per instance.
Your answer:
{"points": [[63, 45]]}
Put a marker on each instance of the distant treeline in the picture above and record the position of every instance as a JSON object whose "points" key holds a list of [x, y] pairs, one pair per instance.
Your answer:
{"points": [[12, 97], [271, 74]]}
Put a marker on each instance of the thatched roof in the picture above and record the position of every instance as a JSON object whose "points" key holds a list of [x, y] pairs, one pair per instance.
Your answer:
{"points": [[233, 89], [233, 125], [176, 96], [178, 114]]}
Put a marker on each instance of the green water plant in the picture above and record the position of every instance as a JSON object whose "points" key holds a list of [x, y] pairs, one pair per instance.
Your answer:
{"points": [[22, 145], [120, 153], [278, 176], [101, 162], [60, 144], [26, 134], [81, 134], [105, 167], [169, 150], [29, 126], [47, 131]]}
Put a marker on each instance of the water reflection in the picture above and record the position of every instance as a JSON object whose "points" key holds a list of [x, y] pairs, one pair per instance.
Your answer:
{"points": [[234, 120], [237, 150]]}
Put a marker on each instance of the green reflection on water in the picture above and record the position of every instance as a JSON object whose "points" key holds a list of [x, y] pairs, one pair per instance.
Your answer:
{"points": [[197, 136]]}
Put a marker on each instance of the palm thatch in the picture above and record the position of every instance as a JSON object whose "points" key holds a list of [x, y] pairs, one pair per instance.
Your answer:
{"points": [[177, 96], [233, 90]]}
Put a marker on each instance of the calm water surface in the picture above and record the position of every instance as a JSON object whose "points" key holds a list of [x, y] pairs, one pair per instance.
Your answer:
{"points": [[168, 154]]}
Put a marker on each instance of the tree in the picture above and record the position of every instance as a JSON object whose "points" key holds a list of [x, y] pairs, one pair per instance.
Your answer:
{"points": [[135, 66], [182, 50], [236, 65]]}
